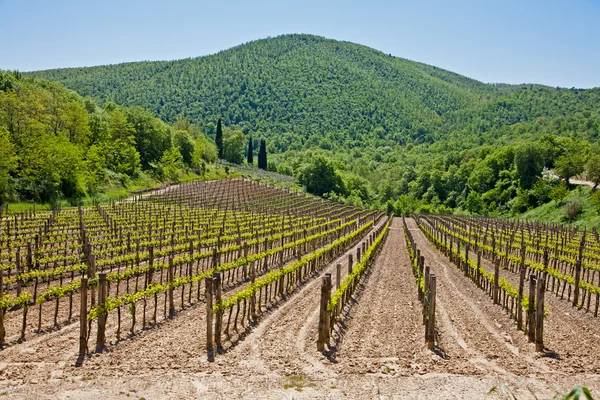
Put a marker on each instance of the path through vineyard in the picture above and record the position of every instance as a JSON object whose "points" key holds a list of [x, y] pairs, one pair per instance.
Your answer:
{"points": [[382, 350]]}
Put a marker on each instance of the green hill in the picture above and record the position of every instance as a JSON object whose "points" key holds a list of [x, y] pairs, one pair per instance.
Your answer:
{"points": [[294, 83], [391, 126], [311, 85]]}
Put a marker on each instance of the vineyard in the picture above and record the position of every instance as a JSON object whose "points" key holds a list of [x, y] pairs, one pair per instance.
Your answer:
{"points": [[122, 263], [234, 287]]}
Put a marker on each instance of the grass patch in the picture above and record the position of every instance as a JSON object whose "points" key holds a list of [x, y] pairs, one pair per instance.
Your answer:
{"points": [[554, 212], [294, 381], [116, 190]]}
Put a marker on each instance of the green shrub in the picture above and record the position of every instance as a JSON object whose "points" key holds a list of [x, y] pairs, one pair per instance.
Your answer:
{"points": [[572, 209], [595, 199]]}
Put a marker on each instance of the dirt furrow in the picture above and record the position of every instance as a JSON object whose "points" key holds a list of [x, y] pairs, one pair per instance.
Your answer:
{"points": [[285, 342], [485, 334], [384, 329], [571, 335]]}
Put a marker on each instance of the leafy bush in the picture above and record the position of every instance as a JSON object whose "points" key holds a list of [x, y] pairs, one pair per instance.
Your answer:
{"points": [[572, 209], [559, 192], [541, 191], [595, 199]]}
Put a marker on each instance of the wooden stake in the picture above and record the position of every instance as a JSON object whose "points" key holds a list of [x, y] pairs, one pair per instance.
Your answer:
{"points": [[577, 279], [531, 311], [92, 275], [101, 334], [83, 313], [539, 318], [253, 297], [170, 278], [496, 280], [520, 298], [209, 316], [324, 323], [425, 299], [218, 314], [431, 313]]}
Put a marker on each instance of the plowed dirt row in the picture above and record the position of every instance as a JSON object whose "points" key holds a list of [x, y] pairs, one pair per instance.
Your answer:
{"points": [[571, 336], [488, 338], [382, 353]]}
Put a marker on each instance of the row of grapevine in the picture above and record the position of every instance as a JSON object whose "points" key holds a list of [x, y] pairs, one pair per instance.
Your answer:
{"points": [[332, 305], [500, 289], [569, 259], [150, 245], [426, 285]]}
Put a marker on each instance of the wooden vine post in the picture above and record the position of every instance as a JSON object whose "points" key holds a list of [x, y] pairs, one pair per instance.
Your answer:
{"points": [[338, 275], [253, 297], [2, 330], [349, 263], [83, 313], [219, 313], [539, 318], [466, 264], [531, 310], [430, 329], [577, 278], [324, 322], [170, 291], [101, 334], [19, 271], [520, 298], [425, 298], [496, 281], [92, 274], [209, 316]]}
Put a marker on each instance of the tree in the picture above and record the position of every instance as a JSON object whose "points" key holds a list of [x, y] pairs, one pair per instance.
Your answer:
{"points": [[250, 150], [151, 135], [569, 165], [219, 139], [320, 177], [262, 155], [204, 149], [7, 163], [233, 146], [96, 168], [593, 170], [529, 163], [171, 164], [559, 192], [185, 144], [474, 203]]}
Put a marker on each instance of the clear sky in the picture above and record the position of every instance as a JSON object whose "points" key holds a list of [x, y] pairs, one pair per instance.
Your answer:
{"points": [[553, 42]]}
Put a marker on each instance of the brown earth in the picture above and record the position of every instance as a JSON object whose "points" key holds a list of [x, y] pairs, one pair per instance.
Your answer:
{"points": [[381, 352]]}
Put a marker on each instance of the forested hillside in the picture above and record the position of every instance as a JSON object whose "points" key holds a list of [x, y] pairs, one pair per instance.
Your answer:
{"points": [[54, 144], [302, 84], [382, 127]]}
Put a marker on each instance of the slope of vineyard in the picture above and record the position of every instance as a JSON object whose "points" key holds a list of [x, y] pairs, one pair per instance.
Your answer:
{"points": [[214, 289], [151, 246]]}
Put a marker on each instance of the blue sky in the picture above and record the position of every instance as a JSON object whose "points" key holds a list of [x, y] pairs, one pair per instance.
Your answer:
{"points": [[526, 41]]}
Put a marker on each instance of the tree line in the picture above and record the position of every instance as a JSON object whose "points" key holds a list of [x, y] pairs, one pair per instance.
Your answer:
{"points": [[56, 144]]}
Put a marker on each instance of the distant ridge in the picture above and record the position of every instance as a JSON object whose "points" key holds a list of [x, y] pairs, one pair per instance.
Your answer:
{"points": [[311, 86]]}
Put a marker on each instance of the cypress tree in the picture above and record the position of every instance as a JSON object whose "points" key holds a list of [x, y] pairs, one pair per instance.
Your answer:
{"points": [[219, 139], [250, 155], [262, 155]]}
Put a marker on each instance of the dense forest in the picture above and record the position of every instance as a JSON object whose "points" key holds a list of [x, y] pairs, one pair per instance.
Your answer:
{"points": [[378, 129], [55, 144]]}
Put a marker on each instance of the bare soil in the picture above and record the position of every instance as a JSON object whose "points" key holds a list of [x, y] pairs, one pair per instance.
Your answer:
{"points": [[379, 353]]}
